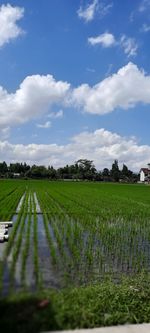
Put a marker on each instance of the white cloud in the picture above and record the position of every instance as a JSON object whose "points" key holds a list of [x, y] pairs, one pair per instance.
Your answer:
{"points": [[106, 40], [88, 13], [145, 28], [47, 124], [8, 23], [104, 8], [114, 91], [129, 45], [144, 5], [56, 115], [34, 97], [101, 146], [37, 94]]}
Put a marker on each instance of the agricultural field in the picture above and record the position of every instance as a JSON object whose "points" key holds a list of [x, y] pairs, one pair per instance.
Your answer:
{"points": [[73, 235]]}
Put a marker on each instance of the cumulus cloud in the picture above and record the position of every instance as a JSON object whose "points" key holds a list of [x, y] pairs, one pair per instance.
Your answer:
{"points": [[34, 97], [106, 40], [114, 91], [129, 46], [101, 146], [38, 94], [88, 13], [47, 124], [9, 16]]}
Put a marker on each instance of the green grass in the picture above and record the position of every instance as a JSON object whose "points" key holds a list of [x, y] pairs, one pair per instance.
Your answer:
{"points": [[85, 307]]}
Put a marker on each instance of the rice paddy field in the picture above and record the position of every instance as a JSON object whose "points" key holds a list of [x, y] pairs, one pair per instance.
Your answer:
{"points": [[88, 238]]}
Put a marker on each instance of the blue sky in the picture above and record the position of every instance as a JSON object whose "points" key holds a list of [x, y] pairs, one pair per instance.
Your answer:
{"points": [[75, 81]]}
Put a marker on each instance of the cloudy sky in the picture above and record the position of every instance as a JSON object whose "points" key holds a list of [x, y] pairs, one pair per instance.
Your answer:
{"points": [[75, 82]]}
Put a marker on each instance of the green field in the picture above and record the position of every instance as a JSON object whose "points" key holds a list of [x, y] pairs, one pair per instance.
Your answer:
{"points": [[71, 241]]}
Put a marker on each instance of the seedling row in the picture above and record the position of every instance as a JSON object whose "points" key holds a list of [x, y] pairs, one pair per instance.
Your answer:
{"points": [[73, 234]]}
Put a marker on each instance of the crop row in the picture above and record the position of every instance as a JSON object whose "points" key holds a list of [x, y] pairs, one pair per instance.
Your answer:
{"points": [[75, 233]]}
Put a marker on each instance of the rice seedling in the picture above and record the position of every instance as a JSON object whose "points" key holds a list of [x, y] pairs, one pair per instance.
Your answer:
{"points": [[27, 234], [92, 230]]}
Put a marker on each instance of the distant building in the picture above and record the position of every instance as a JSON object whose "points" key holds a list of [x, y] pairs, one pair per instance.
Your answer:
{"points": [[16, 175], [145, 174]]}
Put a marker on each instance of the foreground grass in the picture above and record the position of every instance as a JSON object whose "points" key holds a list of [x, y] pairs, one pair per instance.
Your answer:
{"points": [[85, 307]]}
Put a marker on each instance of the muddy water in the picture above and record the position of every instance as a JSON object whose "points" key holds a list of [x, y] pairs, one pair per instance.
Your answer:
{"points": [[48, 274], [51, 231], [20, 203], [9, 259], [29, 276], [38, 209], [18, 282]]}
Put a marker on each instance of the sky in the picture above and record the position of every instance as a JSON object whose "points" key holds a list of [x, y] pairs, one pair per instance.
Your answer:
{"points": [[75, 82]]}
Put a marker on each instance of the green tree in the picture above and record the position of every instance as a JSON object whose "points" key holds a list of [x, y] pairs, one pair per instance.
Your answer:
{"points": [[86, 169], [3, 168], [52, 173], [115, 172], [106, 174], [126, 174]]}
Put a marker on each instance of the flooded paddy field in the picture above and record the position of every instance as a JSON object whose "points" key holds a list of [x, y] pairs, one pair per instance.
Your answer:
{"points": [[72, 234]]}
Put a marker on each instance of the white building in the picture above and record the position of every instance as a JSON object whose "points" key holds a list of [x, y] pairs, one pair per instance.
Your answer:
{"points": [[145, 174]]}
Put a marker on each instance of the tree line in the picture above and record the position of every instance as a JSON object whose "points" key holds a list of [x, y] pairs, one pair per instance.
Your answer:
{"points": [[82, 169]]}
